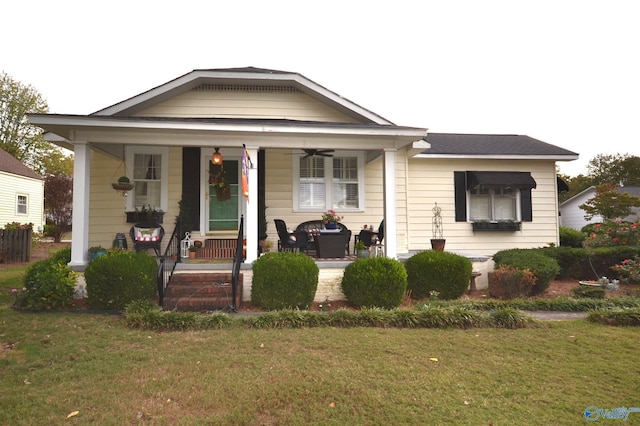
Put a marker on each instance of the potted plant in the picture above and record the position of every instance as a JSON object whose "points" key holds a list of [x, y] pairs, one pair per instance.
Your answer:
{"points": [[330, 219], [146, 214], [437, 242], [193, 250], [96, 251], [361, 250]]}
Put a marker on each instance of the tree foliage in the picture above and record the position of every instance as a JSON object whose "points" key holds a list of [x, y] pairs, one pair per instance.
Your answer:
{"points": [[58, 204], [609, 203], [615, 169], [21, 139]]}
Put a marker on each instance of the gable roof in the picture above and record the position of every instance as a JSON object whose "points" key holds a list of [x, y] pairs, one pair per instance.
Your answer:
{"points": [[590, 191], [494, 146], [10, 164], [247, 75]]}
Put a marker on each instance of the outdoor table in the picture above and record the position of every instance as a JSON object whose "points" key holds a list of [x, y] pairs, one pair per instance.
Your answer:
{"points": [[331, 243]]}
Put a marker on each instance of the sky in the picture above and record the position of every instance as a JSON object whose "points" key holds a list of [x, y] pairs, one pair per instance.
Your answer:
{"points": [[565, 72]]}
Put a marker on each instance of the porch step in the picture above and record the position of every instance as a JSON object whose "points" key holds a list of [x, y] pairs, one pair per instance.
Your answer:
{"points": [[201, 291]]}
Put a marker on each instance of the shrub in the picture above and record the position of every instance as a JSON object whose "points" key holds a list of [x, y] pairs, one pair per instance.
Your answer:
{"points": [[120, 277], [622, 316], [613, 233], [447, 273], [508, 282], [570, 237], [588, 292], [375, 282], [628, 270], [543, 267], [284, 280], [48, 283]]}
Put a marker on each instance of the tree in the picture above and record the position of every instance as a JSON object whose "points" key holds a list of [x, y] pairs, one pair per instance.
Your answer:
{"points": [[609, 203], [58, 204], [616, 169], [576, 184], [21, 139]]}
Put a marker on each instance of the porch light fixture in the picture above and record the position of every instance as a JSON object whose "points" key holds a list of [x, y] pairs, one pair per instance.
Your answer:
{"points": [[216, 158]]}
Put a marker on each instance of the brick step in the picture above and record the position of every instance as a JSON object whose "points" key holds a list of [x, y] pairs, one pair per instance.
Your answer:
{"points": [[201, 291]]}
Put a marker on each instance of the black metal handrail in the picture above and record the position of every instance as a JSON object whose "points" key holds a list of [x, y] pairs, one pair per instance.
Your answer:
{"points": [[168, 262], [238, 259]]}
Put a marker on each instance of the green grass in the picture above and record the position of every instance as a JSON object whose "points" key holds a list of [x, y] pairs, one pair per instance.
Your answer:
{"points": [[55, 363]]}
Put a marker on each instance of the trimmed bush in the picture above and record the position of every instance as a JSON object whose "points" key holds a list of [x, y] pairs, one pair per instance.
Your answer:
{"points": [[48, 283], [447, 273], [570, 237], [508, 282], [284, 280], [588, 292], [543, 267], [375, 282], [119, 278]]}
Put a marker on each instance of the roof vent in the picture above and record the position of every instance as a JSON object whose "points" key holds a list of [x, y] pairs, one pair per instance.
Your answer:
{"points": [[245, 88]]}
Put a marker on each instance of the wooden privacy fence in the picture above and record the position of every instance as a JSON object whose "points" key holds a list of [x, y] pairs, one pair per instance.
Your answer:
{"points": [[15, 245]]}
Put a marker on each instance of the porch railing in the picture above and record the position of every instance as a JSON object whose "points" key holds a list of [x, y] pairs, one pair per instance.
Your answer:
{"points": [[168, 262], [238, 259]]}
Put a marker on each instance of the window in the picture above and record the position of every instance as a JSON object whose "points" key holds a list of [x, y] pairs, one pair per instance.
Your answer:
{"points": [[22, 202], [493, 196], [329, 182], [149, 166]]}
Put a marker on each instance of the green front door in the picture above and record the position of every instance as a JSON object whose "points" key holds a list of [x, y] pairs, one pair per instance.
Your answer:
{"points": [[223, 213]]}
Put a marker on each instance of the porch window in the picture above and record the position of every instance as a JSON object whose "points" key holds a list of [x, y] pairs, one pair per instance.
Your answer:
{"points": [[493, 196], [149, 168], [22, 202], [329, 182]]}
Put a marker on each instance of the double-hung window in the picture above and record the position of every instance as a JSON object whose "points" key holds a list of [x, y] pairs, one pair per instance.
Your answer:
{"points": [[335, 182], [493, 196], [22, 202], [149, 168]]}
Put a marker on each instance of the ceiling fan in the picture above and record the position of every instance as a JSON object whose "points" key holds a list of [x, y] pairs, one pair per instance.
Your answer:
{"points": [[319, 152]]}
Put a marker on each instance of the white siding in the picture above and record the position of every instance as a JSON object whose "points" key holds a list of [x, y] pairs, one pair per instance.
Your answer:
{"points": [[293, 106], [14, 185], [431, 181]]}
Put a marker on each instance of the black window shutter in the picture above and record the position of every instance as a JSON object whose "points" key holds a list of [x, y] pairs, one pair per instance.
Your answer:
{"points": [[460, 188], [525, 205], [191, 183]]}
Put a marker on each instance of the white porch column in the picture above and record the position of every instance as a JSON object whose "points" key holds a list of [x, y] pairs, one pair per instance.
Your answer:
{"points": [[390, 211], [80, 219], [251, 221]]}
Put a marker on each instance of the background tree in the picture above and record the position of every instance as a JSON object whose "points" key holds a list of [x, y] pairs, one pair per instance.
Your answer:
{"points": [[21, 139], [576, 184], [616, 169], [609, 203], [58, 205]]}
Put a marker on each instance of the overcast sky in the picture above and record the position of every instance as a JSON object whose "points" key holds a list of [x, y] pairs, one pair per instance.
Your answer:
{"points": [[564, 72]]}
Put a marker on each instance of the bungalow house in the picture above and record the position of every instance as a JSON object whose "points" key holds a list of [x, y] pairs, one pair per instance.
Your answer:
{"points": [[311, 150], [572, 216], [22, 193]]}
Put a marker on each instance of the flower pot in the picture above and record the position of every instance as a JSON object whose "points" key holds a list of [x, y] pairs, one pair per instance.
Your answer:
{"points": [[362, 253], [438, 244], [192, 255], [331, 225], [223, 194]]}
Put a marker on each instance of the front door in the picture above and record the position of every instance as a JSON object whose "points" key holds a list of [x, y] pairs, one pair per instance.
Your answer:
{"points": [[224, 202]]}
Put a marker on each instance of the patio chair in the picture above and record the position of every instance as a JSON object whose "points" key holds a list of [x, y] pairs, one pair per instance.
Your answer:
{"points": [[372, 239], [290, 241]]}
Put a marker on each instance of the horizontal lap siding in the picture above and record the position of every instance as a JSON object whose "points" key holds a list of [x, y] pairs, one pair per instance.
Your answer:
{"points": [[14, 185], [294, 106], [431, 181]]}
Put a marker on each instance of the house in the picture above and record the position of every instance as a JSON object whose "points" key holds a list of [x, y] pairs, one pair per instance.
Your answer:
{"points": [[311, 150], [21, 193], [572, 216]]}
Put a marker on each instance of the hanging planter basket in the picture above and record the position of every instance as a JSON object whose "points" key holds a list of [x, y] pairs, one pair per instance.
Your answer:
{"points": [[122, 185], [223, 194]]}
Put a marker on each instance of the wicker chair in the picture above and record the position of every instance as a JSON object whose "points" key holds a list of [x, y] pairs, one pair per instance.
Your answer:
{"points": [[290, 241]]}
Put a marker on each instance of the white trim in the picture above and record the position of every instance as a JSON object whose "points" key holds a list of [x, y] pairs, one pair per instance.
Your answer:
{"points": [[26, 204], [163, 151], [80, 219], [500, 157], [328, 182], [390, 204]]}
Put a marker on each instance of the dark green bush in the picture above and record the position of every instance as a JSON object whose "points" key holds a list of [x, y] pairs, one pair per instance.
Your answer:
{"points": [[284, 280], [588, 292], [570, 237], [120, 277], [543, 267], [375, 282], [444, 272], [591, 263], [48, 283]]}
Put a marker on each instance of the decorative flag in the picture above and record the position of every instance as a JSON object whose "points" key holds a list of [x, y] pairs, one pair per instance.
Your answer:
{"points": [[246, 165]]}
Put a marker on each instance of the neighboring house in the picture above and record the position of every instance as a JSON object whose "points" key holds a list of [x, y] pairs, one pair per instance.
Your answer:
{"points": [[572, 216], [21, 193], [375, 169]]}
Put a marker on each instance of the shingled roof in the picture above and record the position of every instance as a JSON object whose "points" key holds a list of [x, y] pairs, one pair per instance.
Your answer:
{"points": [[491, 145], [10, 164]]}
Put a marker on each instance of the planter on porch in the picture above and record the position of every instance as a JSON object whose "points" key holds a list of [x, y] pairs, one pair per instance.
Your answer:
{"points": [[496, 226], [145, 217]]}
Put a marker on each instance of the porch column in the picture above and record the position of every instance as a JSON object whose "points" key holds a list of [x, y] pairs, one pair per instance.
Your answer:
{"points": [[390, 214], [80, 218], [251, 221]]}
